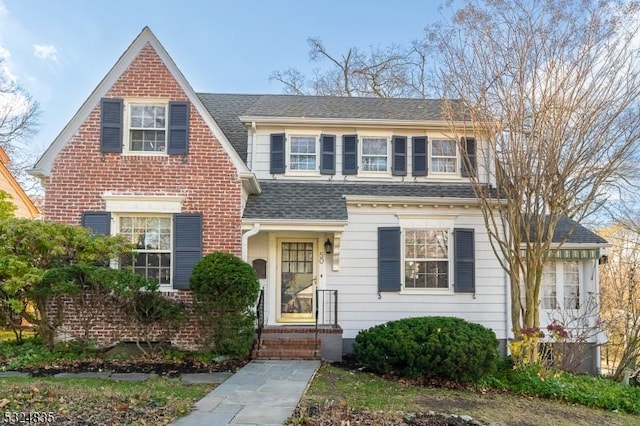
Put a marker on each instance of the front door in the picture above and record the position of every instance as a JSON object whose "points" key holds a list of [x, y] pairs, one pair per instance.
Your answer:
{"points": [[297, 280]]}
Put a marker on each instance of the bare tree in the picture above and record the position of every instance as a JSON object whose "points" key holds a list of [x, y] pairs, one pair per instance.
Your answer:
{"points": [[620, 295], [384, 72], [551, 88], [18, 123]]}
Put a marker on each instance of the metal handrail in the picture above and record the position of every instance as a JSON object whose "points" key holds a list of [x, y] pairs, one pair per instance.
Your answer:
{"points": [[260, 315], [326, 307]]}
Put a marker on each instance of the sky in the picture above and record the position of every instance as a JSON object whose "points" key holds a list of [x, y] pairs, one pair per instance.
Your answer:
{"points": [[59, 50]]}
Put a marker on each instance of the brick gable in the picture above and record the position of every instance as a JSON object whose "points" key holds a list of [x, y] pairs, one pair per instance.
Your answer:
{"points": [[206, 178]]}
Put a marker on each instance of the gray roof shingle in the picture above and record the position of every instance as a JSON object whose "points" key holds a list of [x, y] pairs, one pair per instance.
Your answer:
{"points": [[295, 200], [571, 232], [227, 108]]}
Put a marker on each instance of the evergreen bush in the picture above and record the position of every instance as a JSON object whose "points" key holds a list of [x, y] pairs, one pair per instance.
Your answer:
{"points": [[225, 289], [438, 347]]}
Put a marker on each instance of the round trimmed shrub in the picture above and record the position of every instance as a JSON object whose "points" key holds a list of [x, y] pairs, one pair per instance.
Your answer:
{"points": [[439, 347], [225, 288]]}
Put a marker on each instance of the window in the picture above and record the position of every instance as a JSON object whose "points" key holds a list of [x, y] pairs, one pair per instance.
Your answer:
{"points": [[443, 156], [147, 128], [561, 285], [426, 258], [302, 155], [151, 236], [375, 153]]}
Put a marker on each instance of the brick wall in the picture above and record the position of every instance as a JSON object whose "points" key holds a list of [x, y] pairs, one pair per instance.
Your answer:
{"points": [[207, 178], [102, 321]]}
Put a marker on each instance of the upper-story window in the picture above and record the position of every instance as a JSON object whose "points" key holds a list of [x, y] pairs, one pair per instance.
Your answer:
{"points": [[375, 155], [303, 154], [147, 128], [444, 158]]}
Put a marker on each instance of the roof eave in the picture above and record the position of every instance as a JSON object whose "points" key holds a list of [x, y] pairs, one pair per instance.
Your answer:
{"points": [[381, 122]]}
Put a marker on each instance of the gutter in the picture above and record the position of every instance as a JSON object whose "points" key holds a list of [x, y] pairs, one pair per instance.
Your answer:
{"points": [[245, 240]]}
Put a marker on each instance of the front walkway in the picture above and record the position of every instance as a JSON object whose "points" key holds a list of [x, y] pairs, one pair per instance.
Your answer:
{"points": [[260, 393]]}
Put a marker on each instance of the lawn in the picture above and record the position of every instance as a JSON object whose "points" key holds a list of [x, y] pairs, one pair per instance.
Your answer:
{"points": [[97, 401], [338, 394]]}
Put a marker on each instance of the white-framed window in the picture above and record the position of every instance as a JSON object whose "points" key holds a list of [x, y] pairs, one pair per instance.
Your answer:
{"points": [[560, 286], [444, 156], [375, 155], [152, 239], [303, 153], [426, 258], [147, 127]]}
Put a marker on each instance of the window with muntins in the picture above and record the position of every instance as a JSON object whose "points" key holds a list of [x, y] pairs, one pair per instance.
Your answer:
{"points": [[151, 237], [561, 285], [444, 158], [147, 128], [375, 154], [426, 258], [303, 154]]}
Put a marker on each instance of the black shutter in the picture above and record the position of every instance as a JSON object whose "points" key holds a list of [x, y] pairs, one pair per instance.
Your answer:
{"points": [[277, 153], [349, 154], [468, 146], [178, 142], [111, 117], [187, 247], [464, 261], [419, 155], [98, 222], [399, 165], [327, 154], [389, 256]]}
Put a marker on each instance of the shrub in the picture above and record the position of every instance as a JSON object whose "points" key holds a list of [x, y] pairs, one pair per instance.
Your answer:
{"points": [[224, 290], [440, 347]]}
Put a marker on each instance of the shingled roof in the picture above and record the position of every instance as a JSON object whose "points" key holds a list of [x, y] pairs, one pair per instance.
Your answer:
{"points": [[569, 231], [324, 201], [227, 108]]}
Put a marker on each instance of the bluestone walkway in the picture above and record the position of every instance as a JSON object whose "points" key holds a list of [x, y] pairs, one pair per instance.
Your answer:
{"points": [[260, 393]]}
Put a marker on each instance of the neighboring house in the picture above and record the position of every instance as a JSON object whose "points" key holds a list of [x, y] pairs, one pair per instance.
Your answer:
{"points": [[365, 200], [24, 206]]}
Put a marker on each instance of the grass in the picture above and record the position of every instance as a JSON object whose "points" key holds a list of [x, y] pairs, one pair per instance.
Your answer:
{"points": [[97, 401], [359, 390]]}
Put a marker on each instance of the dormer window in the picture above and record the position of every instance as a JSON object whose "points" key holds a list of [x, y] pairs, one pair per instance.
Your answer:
{"points": [[147, 128], [375, 155], [444, 158], [303, 154]]}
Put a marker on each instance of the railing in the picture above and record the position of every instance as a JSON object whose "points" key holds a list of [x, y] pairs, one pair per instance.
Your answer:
{"points": [[326, 307], [260, 315]]}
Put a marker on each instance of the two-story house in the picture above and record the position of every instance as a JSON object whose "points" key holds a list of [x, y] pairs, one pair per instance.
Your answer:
{"points": [[353, 211]]}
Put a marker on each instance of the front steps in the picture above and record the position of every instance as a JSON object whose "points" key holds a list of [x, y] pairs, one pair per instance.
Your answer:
{"points": [[299, 343]]}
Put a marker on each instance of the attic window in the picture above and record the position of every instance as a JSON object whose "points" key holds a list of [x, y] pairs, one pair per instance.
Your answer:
{"points": [[147, 128]]}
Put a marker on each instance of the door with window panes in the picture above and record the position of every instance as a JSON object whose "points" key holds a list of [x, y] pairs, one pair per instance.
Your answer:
{"points": [[296, 280]]}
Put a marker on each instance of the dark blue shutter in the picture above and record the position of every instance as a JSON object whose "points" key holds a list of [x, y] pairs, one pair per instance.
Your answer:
{"points": [[464, 261], [98, 222], [399, 167], [277, 153], [187, 247], [419, 155], [468, 146], [327, 154], [111, 116], [349, 154], [178, 142], [389, 256]]}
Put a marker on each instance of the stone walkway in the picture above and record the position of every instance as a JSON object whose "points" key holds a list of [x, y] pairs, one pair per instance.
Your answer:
{"points": [[260, 393]]}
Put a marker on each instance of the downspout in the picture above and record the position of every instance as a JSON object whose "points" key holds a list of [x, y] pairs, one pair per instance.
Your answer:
{"points": [[245, 240], [507, 311]]}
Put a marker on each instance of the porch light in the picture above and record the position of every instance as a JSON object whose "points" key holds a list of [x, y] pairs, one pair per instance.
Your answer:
{"points": [[328, 246]]}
